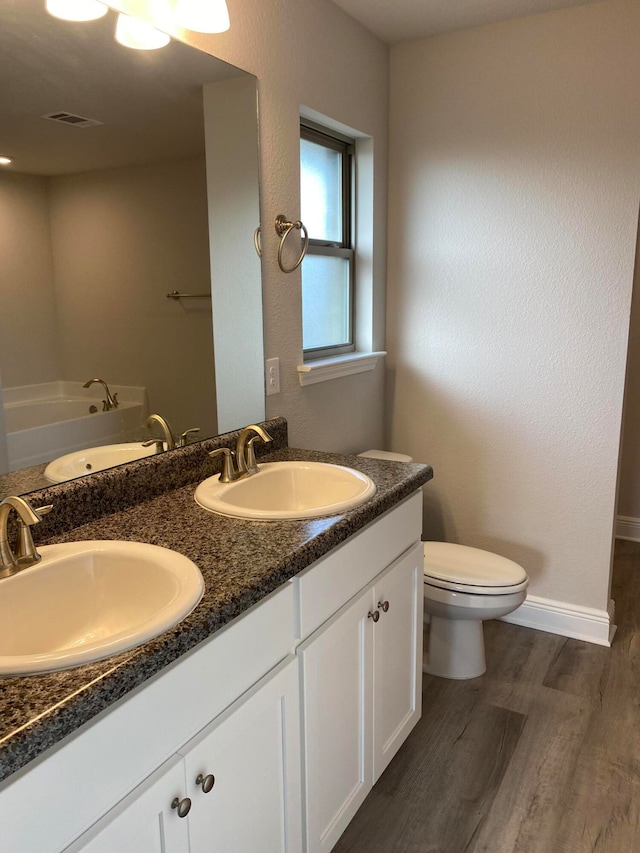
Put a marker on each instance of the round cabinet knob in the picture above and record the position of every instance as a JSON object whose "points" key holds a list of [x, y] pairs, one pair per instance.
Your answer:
{"points": [[183, 806], [383, 605], [375, 615], [206, 782]]}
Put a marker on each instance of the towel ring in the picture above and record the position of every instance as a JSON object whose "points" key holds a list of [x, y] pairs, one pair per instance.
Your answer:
{"points": [[283, 229], [257, 241]]}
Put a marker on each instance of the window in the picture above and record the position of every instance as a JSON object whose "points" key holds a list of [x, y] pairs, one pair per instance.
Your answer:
{"points": [[326, 178]]}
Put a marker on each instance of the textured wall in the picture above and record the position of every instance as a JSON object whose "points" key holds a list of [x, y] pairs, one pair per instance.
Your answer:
{"points": [[122, 239], [236, 283], [629, 479], [28, 331], [309, 53], [514, 188]]}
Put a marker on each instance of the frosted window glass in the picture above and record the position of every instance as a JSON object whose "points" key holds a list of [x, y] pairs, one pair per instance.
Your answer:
{"points": [[325, 301], [321, 191]]}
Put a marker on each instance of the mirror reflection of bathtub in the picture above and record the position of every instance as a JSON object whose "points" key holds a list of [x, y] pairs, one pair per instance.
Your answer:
{"points": [[54, 418]]}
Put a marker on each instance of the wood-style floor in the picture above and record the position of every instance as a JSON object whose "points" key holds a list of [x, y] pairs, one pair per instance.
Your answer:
{"points": [[539, 755]]}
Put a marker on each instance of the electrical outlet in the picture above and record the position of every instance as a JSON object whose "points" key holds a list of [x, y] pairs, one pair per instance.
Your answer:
{"points": [[273, 376]]}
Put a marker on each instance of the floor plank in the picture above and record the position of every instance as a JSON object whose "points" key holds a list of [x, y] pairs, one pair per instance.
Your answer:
{"points": [[539, 755]]}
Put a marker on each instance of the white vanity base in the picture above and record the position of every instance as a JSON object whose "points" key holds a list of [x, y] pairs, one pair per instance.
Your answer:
{"points": [[295, 707]]}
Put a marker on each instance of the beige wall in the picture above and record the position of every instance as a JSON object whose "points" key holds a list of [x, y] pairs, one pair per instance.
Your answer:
{"points": [[124, 238], [28, 324], [309, 53], [233, 204], [629, 478], [514, 187]]}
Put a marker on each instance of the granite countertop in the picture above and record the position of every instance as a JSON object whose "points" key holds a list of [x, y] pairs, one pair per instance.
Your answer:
{"points": [[241, 562]]}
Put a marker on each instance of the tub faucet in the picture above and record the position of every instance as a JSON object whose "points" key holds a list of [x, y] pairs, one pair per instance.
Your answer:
{"points": [[112, 399], [26, 554], [166, 432]]}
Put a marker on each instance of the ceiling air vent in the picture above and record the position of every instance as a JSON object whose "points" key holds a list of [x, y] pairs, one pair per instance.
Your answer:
{"points": [[70, 118]]}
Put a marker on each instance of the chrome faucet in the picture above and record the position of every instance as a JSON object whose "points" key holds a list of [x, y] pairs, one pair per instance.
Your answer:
{"points": [[26, 554], [112, 399]]}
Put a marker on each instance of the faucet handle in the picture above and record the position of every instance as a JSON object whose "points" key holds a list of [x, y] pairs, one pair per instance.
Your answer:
{"points": [[111, 402], [26, 551], [229, 473], [183, 441]]}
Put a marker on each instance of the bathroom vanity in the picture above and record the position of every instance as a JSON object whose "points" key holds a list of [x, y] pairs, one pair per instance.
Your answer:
{"points": [[261, 721]]}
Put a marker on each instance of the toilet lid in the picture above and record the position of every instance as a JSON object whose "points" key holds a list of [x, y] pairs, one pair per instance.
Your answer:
{"points": [[461, 567]]}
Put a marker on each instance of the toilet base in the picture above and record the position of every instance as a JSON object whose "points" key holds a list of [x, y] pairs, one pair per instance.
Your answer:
{"points": [[456, 648]]}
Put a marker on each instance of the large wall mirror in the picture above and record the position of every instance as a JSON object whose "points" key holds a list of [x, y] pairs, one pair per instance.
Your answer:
{"points": [[134, 174]]}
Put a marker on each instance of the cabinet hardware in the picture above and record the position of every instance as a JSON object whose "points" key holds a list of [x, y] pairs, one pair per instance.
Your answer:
{"points": [[375, 615], [383, 605], [206, 782], [183, 806]]}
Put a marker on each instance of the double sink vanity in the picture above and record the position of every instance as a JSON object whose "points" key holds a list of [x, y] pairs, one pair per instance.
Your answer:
{"points": [[260, 720]]}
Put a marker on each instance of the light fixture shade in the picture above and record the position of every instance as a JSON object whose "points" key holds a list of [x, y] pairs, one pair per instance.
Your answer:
{"points": [[137, 34], [5, 160], [202, 16], [76, 10]]}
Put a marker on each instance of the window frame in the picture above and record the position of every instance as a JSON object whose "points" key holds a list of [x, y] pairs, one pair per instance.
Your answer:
{"points": [[321, 135]]}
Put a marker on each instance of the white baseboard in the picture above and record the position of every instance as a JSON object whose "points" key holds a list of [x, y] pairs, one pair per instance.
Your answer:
{"points": [[628, 528], [569, 620]]}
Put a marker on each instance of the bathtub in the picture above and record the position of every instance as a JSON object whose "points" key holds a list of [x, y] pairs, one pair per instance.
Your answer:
{"points": [[51, 419]]}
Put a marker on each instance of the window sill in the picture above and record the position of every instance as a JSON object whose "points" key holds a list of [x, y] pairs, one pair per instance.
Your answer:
{"points": [[341, 365]]}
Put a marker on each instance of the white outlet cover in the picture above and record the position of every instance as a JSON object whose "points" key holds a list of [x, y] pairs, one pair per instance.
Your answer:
{"points": [[272, 373]]}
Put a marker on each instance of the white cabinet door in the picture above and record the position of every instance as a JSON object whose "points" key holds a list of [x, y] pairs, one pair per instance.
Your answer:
{"points": [[143, 822], [336, 670], [397, 653], [252, 751]]}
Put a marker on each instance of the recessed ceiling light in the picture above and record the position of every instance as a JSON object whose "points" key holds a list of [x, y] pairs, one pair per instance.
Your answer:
{"points": [[76, 10], [132, 32], [5, 161], [211, 16]]}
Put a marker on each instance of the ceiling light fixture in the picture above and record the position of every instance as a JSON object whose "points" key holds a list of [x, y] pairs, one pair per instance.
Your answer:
{"points": [[137, 34], [76, 10], [202, 16], [5, 161]]}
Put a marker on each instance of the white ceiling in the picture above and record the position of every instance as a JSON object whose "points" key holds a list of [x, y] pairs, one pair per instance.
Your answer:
{"points": [[150, 102], [407, 20]]}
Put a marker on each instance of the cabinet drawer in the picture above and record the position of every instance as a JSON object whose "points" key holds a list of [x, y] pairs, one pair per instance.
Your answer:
{"points": [[326, 585]]}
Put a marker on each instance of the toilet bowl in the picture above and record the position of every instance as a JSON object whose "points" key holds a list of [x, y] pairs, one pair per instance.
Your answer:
{"points": [[463, 586]]}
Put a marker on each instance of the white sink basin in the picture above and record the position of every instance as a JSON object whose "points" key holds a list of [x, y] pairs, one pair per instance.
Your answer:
{"points": [[85, 601], [84, 462], [287, 490]]}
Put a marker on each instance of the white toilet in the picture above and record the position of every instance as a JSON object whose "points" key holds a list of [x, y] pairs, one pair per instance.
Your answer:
{"points": [[463, 586]]}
